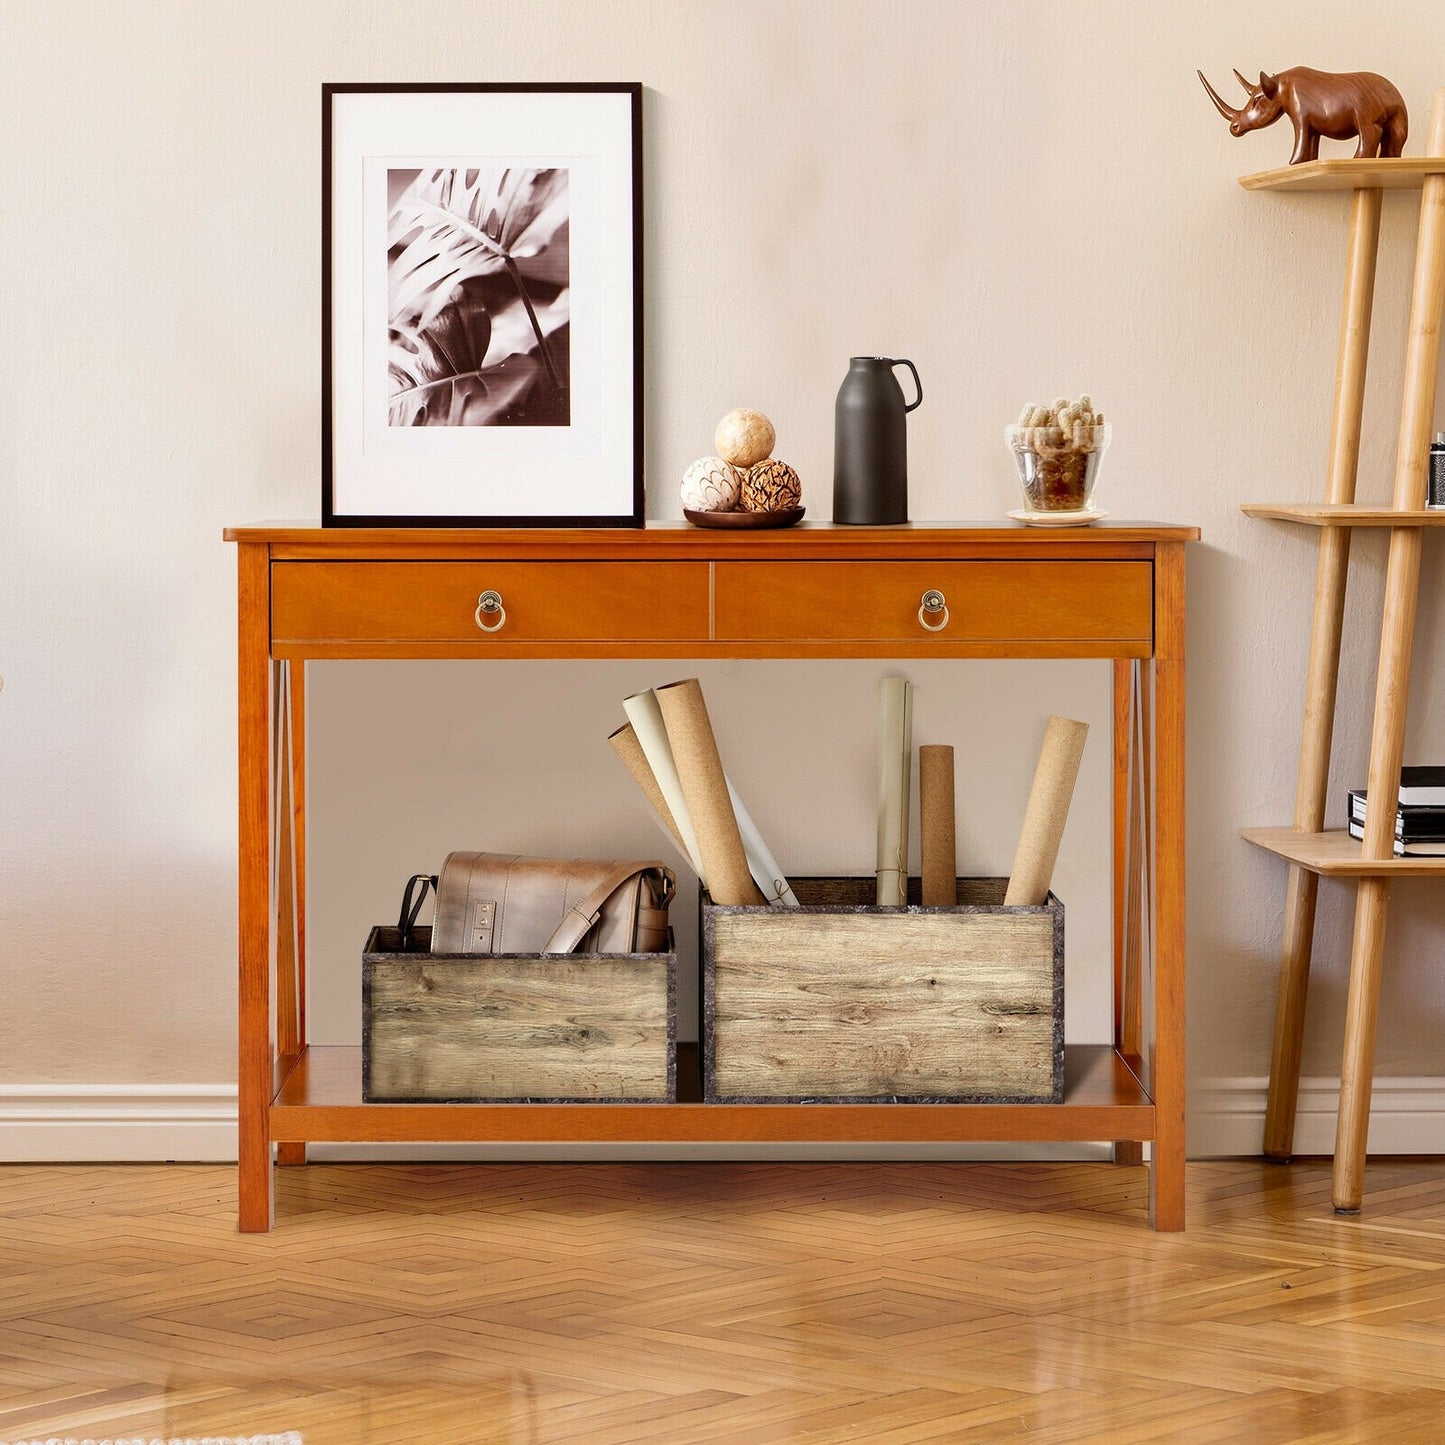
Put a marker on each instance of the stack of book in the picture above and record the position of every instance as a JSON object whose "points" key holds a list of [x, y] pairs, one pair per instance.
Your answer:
{"points": [[1420, 817]]}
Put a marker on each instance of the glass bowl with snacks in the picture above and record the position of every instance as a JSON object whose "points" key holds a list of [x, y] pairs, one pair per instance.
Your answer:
{"points": [[1058, 450]]}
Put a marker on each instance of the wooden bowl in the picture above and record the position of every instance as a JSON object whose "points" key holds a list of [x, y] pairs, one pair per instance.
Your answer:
{"points": [[736, 520]]}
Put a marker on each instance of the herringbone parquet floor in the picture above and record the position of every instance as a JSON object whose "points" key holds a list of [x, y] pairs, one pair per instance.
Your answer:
{"points": [[460, 1304]]}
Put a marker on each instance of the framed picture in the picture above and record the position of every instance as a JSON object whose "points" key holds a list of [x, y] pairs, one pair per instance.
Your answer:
{"points": [[482, 305]]}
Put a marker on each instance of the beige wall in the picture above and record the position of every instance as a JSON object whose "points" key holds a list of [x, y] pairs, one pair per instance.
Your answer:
{"points": [[1025, 198]]}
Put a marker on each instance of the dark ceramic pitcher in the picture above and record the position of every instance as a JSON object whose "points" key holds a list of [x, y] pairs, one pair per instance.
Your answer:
{"points": [[870, 443]]}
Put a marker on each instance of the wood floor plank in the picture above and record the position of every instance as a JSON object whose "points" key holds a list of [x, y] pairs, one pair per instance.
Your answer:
{"points": [[741, 1304]]}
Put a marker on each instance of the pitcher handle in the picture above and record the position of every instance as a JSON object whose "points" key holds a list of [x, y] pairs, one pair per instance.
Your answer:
{"points": [[918, 401]]}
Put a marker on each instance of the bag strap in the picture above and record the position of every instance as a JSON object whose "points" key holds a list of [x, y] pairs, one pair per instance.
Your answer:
{"points": [[411, 908], [582, 917]]}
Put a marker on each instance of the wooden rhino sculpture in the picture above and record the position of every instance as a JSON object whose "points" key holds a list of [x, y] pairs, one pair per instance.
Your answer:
{"points": [[1319, 102]]}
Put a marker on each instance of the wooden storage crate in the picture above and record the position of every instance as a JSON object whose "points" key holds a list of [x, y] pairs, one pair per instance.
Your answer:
{"points": [[841, 1000], [516, 1027]]}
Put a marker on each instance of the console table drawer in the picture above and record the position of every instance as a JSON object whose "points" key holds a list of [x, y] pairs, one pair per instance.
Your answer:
{"points": [[441, 602], [973, 602]]}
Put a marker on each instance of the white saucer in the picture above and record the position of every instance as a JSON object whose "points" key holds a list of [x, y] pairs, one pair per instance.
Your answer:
{"points": [[1058, 519]]}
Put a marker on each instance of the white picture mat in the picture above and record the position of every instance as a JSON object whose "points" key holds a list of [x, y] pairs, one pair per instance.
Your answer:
{"points": [[585, 469]]}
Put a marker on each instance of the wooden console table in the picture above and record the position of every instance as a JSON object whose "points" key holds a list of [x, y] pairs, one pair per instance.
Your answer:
{"points": [[1109, 591]]}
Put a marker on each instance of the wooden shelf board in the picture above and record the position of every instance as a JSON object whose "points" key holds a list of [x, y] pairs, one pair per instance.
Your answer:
{"points": [[1344, 514], [808, 540], [1335, 854], [1404, 173], [320, 1101]]}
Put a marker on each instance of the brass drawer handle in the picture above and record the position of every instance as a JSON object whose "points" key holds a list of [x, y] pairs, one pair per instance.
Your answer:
{"points": [[932, 605], [489, 605]]}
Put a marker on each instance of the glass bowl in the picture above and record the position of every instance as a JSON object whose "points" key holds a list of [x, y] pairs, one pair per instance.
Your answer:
{"points": [[1057, 474]]}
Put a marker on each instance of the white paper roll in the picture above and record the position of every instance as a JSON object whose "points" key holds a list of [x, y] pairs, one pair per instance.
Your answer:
{"points": [[895, 758], [624, 743], [645, 716], [761, 864]]}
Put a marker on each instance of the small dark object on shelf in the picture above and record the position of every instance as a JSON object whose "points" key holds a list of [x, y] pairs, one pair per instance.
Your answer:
{"points": [[870, 443], [1322, 103]]}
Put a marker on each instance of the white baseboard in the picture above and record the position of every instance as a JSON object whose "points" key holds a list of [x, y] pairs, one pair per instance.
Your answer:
{"points": [[117, 1123], [1226, 1116], [154, 1123]]}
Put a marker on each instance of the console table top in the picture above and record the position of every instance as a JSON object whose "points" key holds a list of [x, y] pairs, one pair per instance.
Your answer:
{"points": [[681, 539]]}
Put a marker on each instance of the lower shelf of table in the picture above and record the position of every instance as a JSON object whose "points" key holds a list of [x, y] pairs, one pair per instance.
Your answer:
{"points": [[320, 1102]]}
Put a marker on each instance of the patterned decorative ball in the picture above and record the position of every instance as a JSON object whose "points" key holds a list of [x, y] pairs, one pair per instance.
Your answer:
{"points": [[744, 437], [771, 486], [712, 485]]}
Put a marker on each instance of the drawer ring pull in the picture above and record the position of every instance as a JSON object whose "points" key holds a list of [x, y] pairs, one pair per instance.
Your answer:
{"points": [[932, 605], [489, 604]]}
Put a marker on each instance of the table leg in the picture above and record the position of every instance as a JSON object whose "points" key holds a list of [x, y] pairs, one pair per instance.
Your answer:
{"points": [[255, 1063], [288, 684], [1128, 877], [1168, 878]]}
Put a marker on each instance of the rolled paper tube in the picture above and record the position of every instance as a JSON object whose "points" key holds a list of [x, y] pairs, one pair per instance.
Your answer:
{"points": [[628, 746], [705, 789], [761, 863], [646, 719], [1047, 812], [905, 763], [895, 757], [624, 743], [936, 824]]}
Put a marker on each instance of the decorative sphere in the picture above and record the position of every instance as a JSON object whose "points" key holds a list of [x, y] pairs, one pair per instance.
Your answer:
{"points": [[744, 437], [711, 485], [771, 486]]}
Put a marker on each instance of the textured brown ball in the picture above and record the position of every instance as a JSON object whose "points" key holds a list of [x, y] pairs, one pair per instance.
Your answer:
{"points": [[771, 486], [744, 437]]}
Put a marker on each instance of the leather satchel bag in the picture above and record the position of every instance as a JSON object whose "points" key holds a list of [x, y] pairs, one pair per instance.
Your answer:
{"points": [[505, 903]]}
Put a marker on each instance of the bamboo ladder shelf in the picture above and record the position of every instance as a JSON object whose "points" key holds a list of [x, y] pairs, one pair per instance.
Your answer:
{"points": [[1309, 849]]}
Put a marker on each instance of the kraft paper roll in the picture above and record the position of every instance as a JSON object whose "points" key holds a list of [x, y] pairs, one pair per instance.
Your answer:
{"points": [[646, 719], [1048, 810], [936, 824], [895, 758], [705, 789], [624, 743]]}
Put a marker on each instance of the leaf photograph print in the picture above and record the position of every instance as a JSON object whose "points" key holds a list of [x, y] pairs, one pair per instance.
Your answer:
{"points": [[477, 297]]}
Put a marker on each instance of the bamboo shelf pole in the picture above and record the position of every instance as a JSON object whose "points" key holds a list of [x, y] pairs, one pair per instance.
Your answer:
{"points": [[1397, 631], [1317, 734]]}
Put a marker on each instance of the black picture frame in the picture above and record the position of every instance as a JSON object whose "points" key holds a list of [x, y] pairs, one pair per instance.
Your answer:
{"points": [[577, 400]]}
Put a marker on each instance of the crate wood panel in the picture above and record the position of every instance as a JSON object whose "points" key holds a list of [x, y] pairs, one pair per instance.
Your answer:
{"points": [[994, 601], [388, 602], [518, 1027], [841, 1000]]}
